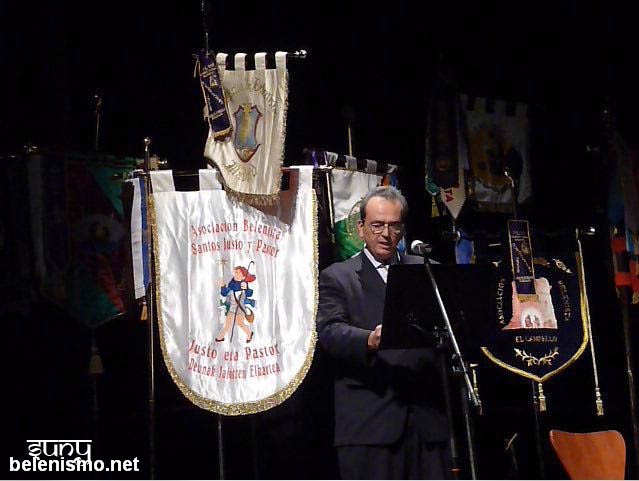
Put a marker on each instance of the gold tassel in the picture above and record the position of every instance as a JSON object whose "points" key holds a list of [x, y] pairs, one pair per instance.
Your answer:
{"points": [[599, 402], [542, 399], [95, 364], [434, 212], [473, 368], [143, 314]]}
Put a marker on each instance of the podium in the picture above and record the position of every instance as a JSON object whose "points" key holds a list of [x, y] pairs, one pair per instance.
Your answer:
{"points": [[432, 306], [413, 318]]}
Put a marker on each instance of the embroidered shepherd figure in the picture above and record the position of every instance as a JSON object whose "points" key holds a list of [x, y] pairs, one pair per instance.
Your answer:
{"points": [[238, 303]]}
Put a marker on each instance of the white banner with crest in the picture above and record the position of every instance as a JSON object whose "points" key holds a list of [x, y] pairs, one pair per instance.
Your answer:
{"points": [[250, 158], [237, 294]]}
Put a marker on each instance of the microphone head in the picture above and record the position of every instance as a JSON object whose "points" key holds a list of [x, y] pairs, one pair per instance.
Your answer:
{"points": [[419, 247]]}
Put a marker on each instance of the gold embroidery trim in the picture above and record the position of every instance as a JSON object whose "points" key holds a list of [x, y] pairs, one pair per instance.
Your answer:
{"points": [[531, 360]]}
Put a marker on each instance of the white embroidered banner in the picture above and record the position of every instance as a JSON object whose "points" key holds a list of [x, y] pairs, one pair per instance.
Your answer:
{"points": [[237, 294], [250, 158]]}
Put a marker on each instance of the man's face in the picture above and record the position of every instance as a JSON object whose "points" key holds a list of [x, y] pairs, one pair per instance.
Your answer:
{"points": [[379, 212]]}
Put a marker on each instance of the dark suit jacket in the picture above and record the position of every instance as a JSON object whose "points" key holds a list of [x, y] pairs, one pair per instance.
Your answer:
{"points": [[373, 391]]}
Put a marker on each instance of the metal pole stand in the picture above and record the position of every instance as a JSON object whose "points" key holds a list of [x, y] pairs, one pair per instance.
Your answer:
{"points": [[467, 392]]}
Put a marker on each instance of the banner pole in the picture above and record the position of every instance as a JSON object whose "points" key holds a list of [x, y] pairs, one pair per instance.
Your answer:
{"points": [[205, 8], [255, 447], [331, 211], [624, 295], [150, 302], [615, 141], [220, 451], [97, 98], [538, 402], [95, 370], [538, 440], [513, 192]]}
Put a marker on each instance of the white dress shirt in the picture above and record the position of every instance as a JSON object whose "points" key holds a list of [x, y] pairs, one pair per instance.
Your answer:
{"points": [[381, 267]]}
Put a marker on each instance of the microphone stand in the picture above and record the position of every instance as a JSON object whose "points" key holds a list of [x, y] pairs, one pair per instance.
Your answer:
{"points": [[512, 184], [467, 392]]}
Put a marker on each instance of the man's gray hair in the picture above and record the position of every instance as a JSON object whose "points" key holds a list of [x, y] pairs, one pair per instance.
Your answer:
{"points": [[387, 192]]}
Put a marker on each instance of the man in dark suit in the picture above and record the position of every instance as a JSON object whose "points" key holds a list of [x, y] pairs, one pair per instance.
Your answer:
{"points": [[389, 416]]}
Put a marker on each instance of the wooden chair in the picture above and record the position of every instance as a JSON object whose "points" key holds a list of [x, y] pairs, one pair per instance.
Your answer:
{"points": [[598, 455]]}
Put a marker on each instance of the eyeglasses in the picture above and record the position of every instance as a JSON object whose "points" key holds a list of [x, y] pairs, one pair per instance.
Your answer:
{"points": [[394, 228]]}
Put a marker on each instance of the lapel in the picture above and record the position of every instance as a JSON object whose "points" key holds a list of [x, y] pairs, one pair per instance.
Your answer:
{"points": [[373, 290], [370, 279]]}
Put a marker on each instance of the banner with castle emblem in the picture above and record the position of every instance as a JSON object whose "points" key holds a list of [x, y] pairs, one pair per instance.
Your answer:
{"points": [[349, 187], [497, 136], [538, 336], [250, 158], [236, 290]]}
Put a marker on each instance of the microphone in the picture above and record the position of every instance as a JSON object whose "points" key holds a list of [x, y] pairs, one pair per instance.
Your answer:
{"points": [[420, 248]]}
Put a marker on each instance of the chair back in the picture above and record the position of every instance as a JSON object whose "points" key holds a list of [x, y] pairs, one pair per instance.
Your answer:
{"points": [[598, 455]]}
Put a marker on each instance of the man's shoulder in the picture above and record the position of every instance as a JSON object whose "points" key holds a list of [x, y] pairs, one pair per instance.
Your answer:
{"points": [[349, 265]]}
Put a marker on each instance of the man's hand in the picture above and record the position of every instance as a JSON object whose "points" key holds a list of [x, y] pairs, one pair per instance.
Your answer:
{"points": [[374, 337]]}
